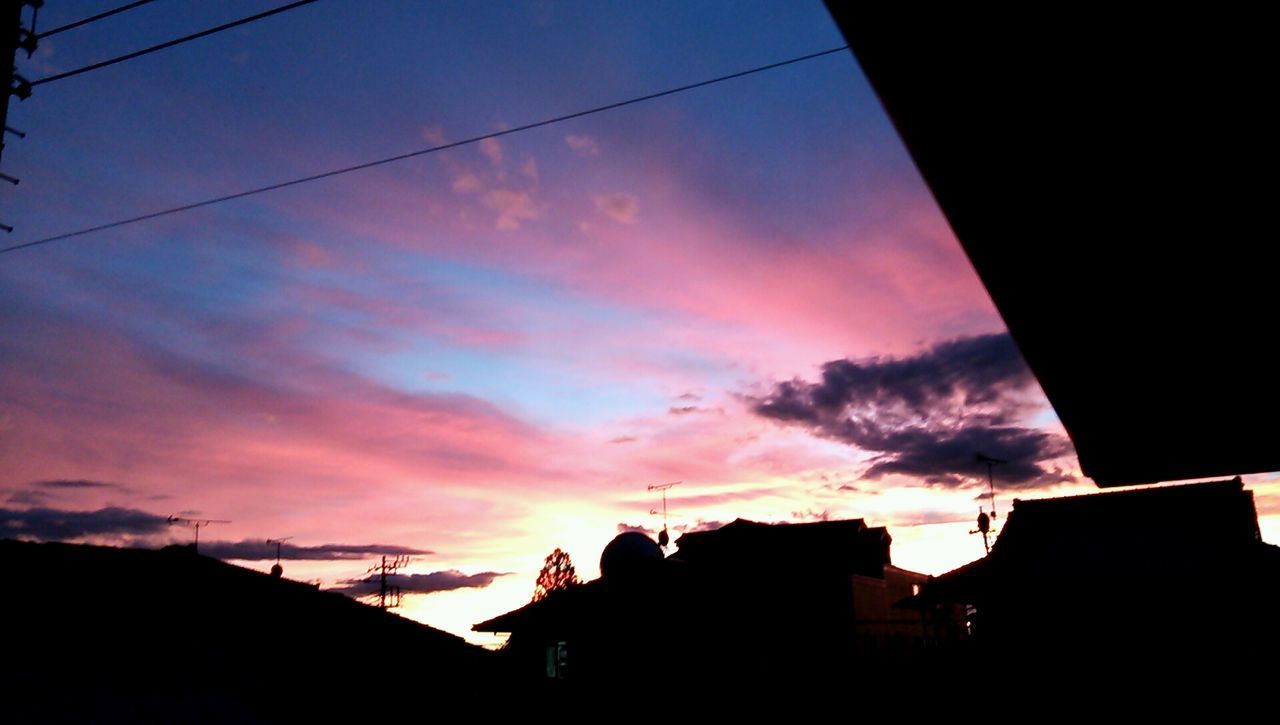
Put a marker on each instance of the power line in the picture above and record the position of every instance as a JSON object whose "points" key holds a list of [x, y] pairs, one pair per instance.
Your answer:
{"points": [[422, 152], [171, 43], [93, 19]]}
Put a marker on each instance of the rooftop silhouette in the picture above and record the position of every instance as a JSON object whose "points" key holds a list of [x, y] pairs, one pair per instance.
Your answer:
{"points": [[140, 634]]}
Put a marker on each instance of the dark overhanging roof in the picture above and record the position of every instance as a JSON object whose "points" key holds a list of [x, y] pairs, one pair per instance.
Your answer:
{"points": [[1108, 175]]}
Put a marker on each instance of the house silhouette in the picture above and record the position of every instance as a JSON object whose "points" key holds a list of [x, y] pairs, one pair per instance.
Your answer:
{"points": [[748, 602], [170, 635], [1172, 580]]}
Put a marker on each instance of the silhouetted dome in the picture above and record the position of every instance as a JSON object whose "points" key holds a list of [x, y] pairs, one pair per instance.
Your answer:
{"points": [[629, 552], [277, 571]]}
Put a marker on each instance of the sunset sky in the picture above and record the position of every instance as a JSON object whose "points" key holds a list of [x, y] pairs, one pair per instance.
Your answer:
{"points": [[479, 355]]}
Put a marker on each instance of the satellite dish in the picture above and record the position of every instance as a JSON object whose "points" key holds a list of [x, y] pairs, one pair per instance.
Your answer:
{"points": [[630, 553]]}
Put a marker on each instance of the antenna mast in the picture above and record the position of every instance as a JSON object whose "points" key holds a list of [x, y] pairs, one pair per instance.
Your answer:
{"points": [[196, 524], [984, 521], [388, 592], [664, 538], [277, 570]]}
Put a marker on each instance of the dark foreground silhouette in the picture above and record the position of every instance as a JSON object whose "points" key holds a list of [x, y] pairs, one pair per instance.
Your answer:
{"points": [[1160, 597], [106, 634], [1079, 596]]}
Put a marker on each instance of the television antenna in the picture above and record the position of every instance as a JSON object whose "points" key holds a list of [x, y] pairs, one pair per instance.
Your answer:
{"points": [[196, 524], [381, 571], [664, 538], [277, 571], [985, 521]]}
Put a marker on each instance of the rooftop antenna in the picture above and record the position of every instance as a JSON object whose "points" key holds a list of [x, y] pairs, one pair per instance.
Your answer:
{"points": [[991, 481], [388, 593], [196, 524], [663, 537], [984, 521], [277, 571]]}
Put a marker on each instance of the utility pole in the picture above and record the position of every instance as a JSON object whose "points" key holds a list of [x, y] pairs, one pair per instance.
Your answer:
{"points": [[14, 37]]}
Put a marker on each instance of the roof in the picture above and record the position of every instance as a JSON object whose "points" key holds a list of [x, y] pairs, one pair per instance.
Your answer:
{"points": [[1162, 532], [1143, 527], [170, 626], [847, 546], [559, 606], [1108, 203]]}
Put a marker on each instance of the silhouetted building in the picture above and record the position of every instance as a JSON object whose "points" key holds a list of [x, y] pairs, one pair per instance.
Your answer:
{"points": [[96, 633], [746, 602], [833, 577], [1154, 579]]}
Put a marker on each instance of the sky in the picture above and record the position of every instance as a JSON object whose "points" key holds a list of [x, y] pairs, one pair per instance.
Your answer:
{"points": [[475, 356]]}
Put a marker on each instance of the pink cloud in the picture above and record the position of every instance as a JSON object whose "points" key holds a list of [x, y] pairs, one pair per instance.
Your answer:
{"points": [[433, 135], [109, 410], [467, 183], [492, 150], [776, 302], [319, 445], [513, 207], [622, 208], [583, 145]]}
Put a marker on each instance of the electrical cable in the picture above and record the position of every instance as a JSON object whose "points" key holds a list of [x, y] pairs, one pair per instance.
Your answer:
{"points": [[92, 19], [171, 43], [421, 152]]}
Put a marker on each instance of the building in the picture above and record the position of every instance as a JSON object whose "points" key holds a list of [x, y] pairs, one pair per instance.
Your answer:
{"points": [[746, 602], [836, 577], [1154, 579]]}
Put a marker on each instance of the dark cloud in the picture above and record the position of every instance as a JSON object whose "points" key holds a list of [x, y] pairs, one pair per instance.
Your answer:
{"points": [[436, 581], [623, 439], [260, 550], [46, 524], [42, 493], [692, 409], [139, 528], [929, 415], [27, 498], [689, 397], [80, 484]]}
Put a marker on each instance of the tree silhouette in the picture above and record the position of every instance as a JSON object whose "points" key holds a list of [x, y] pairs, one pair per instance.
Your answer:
{"points": [[557, 573]]}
